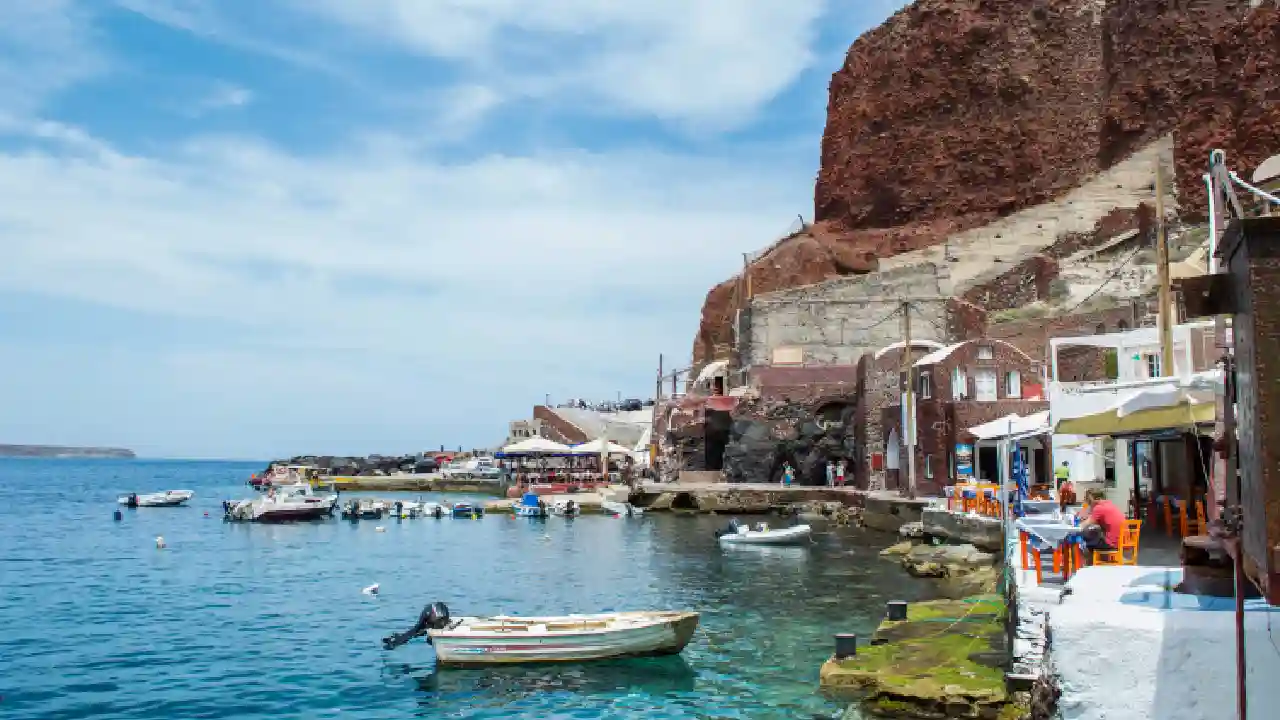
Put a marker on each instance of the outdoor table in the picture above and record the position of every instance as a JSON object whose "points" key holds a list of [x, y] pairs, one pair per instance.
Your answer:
{"points": [[1039, 507], [1054, 533]]}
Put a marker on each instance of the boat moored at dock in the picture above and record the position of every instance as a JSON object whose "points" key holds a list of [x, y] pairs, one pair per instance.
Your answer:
{"points": [[467, 510], [470, 641], [529, 506]]}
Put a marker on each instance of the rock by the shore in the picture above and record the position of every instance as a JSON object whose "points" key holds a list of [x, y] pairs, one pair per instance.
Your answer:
{"points": [[958, 570], [902, 548]]}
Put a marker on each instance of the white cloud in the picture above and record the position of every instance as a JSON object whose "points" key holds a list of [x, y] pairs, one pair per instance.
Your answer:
{"points": [[498, 278], [223, 96], [708, 63], [44, 49]]}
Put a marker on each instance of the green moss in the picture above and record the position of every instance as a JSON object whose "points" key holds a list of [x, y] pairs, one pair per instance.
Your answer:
{"points": [[945, 653]]}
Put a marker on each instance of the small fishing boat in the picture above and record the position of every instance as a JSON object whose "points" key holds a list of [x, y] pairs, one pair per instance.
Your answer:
{"points": [[621, 509], [365, 509], [469, 641], [762, 534], [419, 509], [168, 498], [529, 506], [297, 502], [467, 510], [566, 508]]}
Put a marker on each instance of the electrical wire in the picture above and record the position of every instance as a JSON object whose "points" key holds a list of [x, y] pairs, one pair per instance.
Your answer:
{"points": [[1112, 276]]}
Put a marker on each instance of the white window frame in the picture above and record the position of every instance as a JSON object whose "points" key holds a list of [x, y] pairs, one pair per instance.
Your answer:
{"points": [[1152, 363], [959, 383], [928, 466], [993, 386], [926, 384], [985, 352], [1013, 384]]}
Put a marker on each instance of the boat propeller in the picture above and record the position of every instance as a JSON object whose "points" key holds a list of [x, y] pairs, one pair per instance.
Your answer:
{"points": [[434, 617]]}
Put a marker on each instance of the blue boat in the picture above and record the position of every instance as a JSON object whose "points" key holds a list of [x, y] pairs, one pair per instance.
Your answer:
{"points": [[530, 506], [468, 510]]}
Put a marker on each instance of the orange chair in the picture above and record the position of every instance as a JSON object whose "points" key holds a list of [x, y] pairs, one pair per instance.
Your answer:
{"points": [[1127, 553], [1168, 515], [1192, 526]]}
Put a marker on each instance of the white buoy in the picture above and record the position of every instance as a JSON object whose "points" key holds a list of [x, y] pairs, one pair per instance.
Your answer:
{"points": [[160, 542], [371, 590], [379, 529]]}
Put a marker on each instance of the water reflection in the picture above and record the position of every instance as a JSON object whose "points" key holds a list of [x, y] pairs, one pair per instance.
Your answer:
{"points": [[800, 554]]}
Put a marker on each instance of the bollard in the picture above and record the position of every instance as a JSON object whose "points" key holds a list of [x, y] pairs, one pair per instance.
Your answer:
{"points": [[117, 516], [897, 611], [846, 645]]}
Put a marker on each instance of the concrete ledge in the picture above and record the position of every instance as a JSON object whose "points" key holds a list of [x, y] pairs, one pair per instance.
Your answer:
{"points": [[888, 513], [956, 527]]}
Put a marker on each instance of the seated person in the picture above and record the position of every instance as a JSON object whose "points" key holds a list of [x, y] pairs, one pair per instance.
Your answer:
{"points": [[1101, 522], [1066, 495]]}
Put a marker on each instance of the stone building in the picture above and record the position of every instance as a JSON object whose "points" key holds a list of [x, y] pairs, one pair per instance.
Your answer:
{"points": [[957, 387], [880, 388]]}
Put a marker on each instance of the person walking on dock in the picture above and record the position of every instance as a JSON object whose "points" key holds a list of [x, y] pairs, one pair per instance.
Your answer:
{"points": [[831, 474], [788, 474], [840, 473]]}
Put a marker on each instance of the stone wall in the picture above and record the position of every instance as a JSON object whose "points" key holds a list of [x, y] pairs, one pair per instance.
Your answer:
{"points": [[766, 434], [836, 322], [1025, 283]]}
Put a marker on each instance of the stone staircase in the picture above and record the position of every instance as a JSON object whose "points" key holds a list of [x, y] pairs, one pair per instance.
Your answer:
{"points": [[976, 255]]}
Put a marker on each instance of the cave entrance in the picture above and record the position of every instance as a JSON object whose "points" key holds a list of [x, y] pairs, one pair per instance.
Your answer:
{"points": [[716, 427], [831, 414], [683, 501]]}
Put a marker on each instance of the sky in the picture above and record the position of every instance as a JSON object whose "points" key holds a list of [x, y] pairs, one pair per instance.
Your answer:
{"points": [[260, 228]]}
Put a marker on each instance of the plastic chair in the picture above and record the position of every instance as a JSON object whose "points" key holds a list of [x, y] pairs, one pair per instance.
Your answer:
{"points": [[1129, 536], [1059, 559], [1168, 515]]}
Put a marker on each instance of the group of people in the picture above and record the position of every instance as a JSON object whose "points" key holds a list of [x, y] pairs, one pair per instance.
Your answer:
{"points": [[835, 474]]}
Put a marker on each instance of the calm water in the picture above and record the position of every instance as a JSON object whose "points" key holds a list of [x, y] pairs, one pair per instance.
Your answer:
{"points": [[250, 621]]}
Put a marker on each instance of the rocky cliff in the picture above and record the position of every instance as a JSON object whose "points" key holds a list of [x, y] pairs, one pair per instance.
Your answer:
{"points": [[60, 451], [955, 113]]}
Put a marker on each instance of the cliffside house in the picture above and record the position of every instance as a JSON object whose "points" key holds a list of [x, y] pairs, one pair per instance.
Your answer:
{"points": [[957, 387]]}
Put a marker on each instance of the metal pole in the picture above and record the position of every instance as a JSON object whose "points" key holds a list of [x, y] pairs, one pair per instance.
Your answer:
{"points": [[908, 406], [1213, 223], [1162, 265]]}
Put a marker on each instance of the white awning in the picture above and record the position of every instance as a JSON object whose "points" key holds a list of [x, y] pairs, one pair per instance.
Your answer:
{"points": [[1013, 426], [535, 446], [914, 343], [597, 447]]}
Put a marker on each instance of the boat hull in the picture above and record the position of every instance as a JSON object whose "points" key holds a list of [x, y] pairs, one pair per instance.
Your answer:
{"points": [[668, 636], [797, 535]]}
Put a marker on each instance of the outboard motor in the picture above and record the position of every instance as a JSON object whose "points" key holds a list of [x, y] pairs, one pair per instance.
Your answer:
{"points": [[434, 617], [133, 500], [730, 529]]}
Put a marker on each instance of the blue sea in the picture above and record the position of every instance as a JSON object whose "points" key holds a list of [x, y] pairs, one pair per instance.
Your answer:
{"points": [[268, 621]]}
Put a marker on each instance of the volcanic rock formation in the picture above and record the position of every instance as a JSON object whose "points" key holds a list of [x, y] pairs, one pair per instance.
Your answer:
{"points": [[955, 113]]}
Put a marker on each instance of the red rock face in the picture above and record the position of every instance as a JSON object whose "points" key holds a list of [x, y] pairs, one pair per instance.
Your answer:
{"points": [[956, 112]]}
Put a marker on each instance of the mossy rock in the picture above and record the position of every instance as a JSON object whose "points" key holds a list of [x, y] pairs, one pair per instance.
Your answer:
{"points": [[943, 661]]}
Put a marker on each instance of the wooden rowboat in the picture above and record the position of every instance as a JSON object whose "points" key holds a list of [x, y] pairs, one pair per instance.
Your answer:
{"points": [[470, 641]]}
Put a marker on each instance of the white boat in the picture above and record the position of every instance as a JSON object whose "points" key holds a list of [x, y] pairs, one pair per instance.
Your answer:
{"points": [[295, 502], [418, 509], [621, 508], [168, 498], [529, 506], [575, 638], [762, 534], [566, 508]]}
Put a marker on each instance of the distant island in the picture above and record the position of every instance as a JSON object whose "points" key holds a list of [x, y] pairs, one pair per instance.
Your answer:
{"points": [[58, 451]]}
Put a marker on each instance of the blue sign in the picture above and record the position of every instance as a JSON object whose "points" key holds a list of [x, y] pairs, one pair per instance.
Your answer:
{"points": [[964, 460]]}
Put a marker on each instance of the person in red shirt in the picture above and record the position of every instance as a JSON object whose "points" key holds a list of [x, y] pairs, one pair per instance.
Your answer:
{"points": [[1102, 522]]}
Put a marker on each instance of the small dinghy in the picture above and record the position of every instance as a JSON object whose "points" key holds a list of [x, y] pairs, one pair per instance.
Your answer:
{"points": [[621, 509], [468, 510], [470, 641], [762, 534], [565, 508], [529, 506], [168, 498]]}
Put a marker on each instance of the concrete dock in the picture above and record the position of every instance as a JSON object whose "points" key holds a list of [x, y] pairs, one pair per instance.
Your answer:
{"points": [[419, 482]]}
